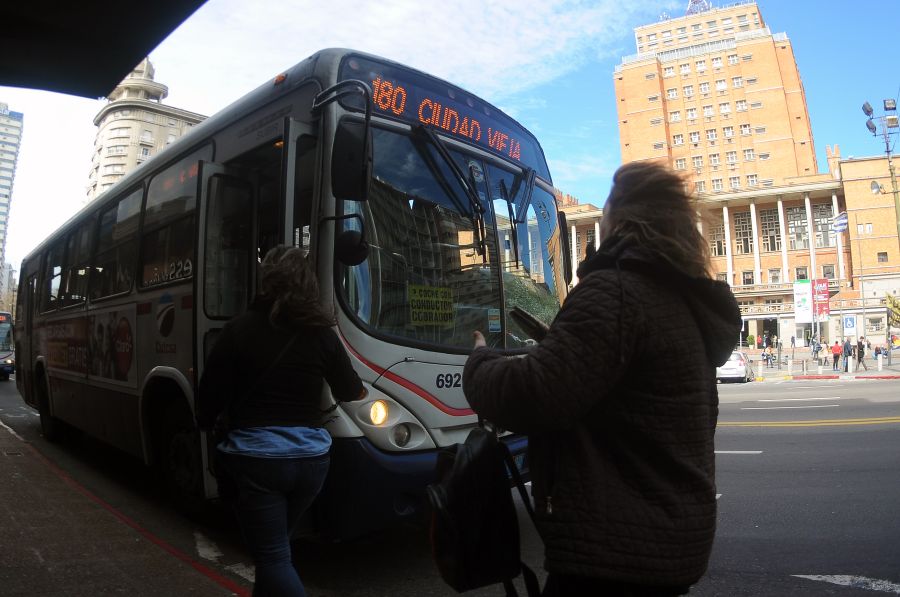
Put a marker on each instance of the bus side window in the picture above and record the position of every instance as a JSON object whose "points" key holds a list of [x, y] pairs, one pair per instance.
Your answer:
{"points": [[303, 199], [78, 253], [51, 278], [116, 247], [167, 243]]}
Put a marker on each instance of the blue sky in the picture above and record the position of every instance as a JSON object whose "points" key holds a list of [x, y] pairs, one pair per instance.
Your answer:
{"points": [[549, 64]]}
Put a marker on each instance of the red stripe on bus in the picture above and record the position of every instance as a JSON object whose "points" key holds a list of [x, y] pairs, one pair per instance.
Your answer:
{"points": [[144, 308], [214, 576], [433, 400]]}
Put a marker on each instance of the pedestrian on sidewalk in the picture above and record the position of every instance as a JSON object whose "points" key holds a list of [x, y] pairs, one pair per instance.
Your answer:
{"points": [[861, 353], [267, 370], [848, 353], [622, 449], [835, 355]]}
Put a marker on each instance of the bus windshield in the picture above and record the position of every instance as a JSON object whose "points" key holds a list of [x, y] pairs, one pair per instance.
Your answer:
{"points": [[6, 332], [440, 267]]}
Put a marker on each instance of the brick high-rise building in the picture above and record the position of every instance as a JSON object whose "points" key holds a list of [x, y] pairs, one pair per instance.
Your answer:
{"points": [[717, 95]]}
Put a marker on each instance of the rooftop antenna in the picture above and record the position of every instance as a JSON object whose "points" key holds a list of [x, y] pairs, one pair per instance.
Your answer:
{"points": [[698, 6], [664, 16]]}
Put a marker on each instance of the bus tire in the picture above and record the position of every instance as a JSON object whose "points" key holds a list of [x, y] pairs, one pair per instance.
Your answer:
{"points": [[51, 427], [178, 455]]}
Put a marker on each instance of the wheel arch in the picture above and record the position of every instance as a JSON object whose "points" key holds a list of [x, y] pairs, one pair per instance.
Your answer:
{"points": [[163, 386]]}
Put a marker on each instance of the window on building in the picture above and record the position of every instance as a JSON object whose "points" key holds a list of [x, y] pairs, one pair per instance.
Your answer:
{"points": [[669, 71], [731, 157], [697, 161], [740, 105], [860, 228], [752, 180], [659, 145], [721, 85], [675, 116], [822, 216], [704, 87], [653, 122], [723, 277], [685, 69], [734, 182], [732, 59], [775, 276], [650, 76], [764, 155], [717, 239], [755, 105], [678, 139], [680, 163], [760, 130], [796, 228], [747, 278], [828, 271], [728, 132], [882, 257], [748, 155], [708, 110], [743, 233], [769, 230], [725, 108], [700, 186], [700, 65], [737, 81], [653, 98], [745, 129], [688, 90], [801, 273], [751, 80], [690, 113], [717, 184], [695, 136], [672, 93], [713, 159], [717, 62], [869, 228], [711, 134]]}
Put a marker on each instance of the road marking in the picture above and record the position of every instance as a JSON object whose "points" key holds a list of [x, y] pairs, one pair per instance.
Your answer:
{"points": [[788, 407], [738, 451], [244, 571], [857, 582], [814, 423], [796, 399], [206, 548]]}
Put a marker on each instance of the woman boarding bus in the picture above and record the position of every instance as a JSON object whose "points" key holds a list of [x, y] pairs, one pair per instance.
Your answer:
{"points": [[427, 213]]}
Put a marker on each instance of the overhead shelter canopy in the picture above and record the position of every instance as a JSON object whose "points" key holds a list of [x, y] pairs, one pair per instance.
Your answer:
{"points": [[83, 48]]}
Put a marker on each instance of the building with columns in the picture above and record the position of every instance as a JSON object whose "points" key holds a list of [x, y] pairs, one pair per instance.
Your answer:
{"points": [[717, 96], [134, 126]]}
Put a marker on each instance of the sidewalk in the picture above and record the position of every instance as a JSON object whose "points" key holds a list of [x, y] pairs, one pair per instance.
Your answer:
{"points": [[58, 538], [804, 367]]}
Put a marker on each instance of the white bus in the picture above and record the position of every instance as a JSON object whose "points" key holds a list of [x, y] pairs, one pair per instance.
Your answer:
{"points": [[428, 214]]}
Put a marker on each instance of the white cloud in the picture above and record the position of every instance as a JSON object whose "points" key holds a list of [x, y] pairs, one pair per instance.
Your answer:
{"points": [[586, 176]]}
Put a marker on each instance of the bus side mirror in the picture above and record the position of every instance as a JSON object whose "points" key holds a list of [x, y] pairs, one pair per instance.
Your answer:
{"points": [[567, 251], [351, 248], [351, 161]]}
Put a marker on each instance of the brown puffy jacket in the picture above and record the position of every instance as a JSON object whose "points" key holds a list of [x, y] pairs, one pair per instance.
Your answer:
{"points": [[620, 404]]}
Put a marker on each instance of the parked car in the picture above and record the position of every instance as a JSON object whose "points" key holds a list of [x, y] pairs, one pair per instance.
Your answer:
{"points": [[738, 368]]}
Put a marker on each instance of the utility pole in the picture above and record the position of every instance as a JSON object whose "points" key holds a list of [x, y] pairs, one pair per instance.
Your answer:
{"points": [[889, 125]]}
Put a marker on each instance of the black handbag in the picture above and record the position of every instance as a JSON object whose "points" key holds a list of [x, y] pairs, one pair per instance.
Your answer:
{"points": [[474, 530]]}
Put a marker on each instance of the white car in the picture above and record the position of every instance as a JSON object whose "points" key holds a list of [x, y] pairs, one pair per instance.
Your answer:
{"points": [[738, 367]]}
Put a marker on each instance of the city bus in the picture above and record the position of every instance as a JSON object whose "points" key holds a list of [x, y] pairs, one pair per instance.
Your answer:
{"points": [[7, 346], [427, 212]]}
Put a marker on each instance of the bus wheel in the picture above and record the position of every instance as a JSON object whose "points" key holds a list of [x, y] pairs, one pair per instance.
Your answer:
{"points": [[51, 427], [179, 459]]}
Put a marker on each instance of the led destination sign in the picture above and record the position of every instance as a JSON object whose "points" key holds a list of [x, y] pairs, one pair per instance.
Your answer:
{"points": [[418, 99]]}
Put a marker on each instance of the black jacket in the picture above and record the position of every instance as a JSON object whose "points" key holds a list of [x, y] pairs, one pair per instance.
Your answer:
{"points": [[238, 376], [620, 404]]}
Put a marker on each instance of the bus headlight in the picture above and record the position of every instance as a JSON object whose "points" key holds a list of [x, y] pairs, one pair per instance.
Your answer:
{"points": [[378, 412], [401, 434]]}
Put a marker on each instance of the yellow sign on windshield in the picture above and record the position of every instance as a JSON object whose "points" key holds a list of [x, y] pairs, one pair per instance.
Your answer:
{"points": [[430, 305]]}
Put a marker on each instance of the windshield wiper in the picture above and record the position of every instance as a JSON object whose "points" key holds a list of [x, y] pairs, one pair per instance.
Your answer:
{"points": [[522, 204], [477, 213]]}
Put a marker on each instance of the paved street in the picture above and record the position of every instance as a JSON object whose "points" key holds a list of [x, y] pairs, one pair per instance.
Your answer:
{"points": [[807, 472]]}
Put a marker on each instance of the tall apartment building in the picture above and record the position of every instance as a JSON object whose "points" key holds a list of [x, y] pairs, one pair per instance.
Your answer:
{"points": [[10, 139], [714, 94], [134, 126], [718, 95]]}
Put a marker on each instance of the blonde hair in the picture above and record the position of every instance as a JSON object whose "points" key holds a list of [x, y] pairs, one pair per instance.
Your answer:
{"points": [[288, 285], [650, 207]]}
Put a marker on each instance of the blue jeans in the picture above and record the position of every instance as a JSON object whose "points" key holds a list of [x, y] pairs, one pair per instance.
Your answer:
{"points": [[272, 495]]}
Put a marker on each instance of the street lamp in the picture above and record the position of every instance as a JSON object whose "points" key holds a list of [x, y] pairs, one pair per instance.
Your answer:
{"points": [[889, 123]]}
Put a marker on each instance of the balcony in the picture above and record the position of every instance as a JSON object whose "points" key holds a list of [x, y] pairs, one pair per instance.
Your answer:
{"points": [[770, 289]]}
